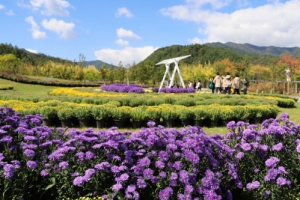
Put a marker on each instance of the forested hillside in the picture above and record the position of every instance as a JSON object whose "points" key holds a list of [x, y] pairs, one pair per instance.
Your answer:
{"points": [[205, 54], [252, 49], [28, 57]]}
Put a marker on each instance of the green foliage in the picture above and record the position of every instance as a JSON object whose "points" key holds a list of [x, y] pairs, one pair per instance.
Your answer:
{"points": [[138, 113], [48, 112], [100, 112], [122, 112], [64, 113], [83, 112]]}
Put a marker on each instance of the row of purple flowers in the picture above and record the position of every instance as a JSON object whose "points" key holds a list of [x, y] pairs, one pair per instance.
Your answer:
{"points": [[124, 88], [134, 88], [250, 162]]}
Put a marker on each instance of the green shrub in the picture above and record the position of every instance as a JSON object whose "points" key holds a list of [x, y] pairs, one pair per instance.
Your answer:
{"points": [[100, 112]]}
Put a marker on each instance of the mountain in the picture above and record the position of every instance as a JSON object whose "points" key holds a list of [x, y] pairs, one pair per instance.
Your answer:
{"points": [[98, 63], [252, 49], [199, 54]]}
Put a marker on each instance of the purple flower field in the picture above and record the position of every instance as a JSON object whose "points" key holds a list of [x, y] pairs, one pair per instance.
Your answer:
{"points": [[250, 162], [123, 88]]}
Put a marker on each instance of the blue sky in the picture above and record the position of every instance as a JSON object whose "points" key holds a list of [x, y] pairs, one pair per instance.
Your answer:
{"points": [[130, 30]]}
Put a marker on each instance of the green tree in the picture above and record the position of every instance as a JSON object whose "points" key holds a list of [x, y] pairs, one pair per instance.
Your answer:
{"points": [[111, 74], [91, 73], [103, 72], [9, 63]]}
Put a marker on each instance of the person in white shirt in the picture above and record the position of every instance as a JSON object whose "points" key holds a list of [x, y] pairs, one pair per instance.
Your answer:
{"points": [[198, 86]]}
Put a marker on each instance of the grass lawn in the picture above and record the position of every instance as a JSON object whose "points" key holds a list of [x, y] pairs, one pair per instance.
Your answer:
{"points": [[25, 91]]}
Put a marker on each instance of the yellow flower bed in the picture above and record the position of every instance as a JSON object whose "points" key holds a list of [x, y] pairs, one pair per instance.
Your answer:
{"points": [[76, 92]]}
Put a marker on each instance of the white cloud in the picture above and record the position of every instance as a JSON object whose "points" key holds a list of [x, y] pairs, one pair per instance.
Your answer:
{"points": [[2, 6], [32, 51], [10, 12], [275, 24], [123, 11], [63, 29], [51, 7], [121, 33], [122, 42], [35, 29], [195, 40], [127, 55]]}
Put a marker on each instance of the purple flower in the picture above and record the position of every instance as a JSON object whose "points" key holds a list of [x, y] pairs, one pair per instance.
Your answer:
{"points": [[63, 165], [184, 176], [188, 189], [246, 146], [298, 148], [272, 174], [89, 172], [9, 171], [272, 162], [16, 164], [80, 156], [166, 193], [124, 177], [75, 174], [130, 188], [253, 185], [240, 155], [256, 170], [267, 193], [173, 176], [102, 166], [144, 162], [117, 187], [30, 138], [171, 147], [277, 147], [282, 170], [78, 181], [163, 174], [44, 172], [148, 173], [7, 139], [231, 125], [281, 181], [229, 195], [141, 183], [89, 155], [177, 165], [159, 164], [163, 156], [31, 164], [151, 124]]}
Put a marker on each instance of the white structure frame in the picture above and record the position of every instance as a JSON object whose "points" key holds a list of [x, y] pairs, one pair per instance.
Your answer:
{"points": [[167, 63]]}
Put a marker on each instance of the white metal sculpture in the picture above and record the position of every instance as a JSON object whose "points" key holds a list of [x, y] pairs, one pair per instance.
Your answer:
{"points": [[167, 63]]}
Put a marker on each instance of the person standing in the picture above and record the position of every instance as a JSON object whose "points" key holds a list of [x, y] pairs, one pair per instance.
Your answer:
{"points": [[245, 85], [198, 86], [236, 84], [227, 83], [190, 84], [194, 85], [211, 85], [218, 83]]}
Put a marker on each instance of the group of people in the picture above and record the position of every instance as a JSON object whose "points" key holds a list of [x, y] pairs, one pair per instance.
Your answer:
{"points": [[196, 85], [225, 84]]}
